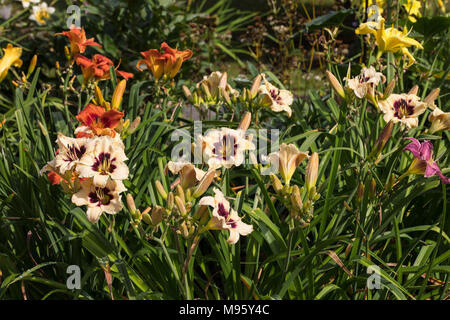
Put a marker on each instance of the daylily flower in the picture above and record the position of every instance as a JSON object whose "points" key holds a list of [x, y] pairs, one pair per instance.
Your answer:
{"points": [[98, 199], [278, 100], [189, 174], [41, 13], [379, 3], [404, 108], [215, 86], [100, 121], [98, 68], [365, 83], [390, 39], [224, 147], [413, 9], [224, 217], [166, 63], [423, 162], [106, 160], [78, 40], [288, 159], [26, 3], [11, 57], [440, 120], [71, 150]]}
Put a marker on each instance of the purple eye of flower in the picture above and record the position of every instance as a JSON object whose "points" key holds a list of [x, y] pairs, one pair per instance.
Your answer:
{"points": [[104, 164], [403, 109], [275, 95], [222, 211], [74, 153], [226, 147], [101, 196]]}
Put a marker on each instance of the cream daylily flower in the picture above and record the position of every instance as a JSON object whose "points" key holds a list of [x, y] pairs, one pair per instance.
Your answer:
{"points": [[365, 83], [41, 13], [99, 199], [106, 160], [11, 57], [71, 150], [26, 3], [189, 174], [224, 147], [216, 82], [440, 120], [403, 108], [288, 159], [278, 100], [224, 217]]}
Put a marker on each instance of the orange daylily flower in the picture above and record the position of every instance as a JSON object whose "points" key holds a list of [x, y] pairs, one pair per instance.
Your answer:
{"points": [[166, 63], [78, 40], [55, 178], [100, 121], [98, 68]]}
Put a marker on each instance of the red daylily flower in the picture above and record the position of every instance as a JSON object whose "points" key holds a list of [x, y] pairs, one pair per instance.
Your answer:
{"points": [[100, 121], [167, 62], [78, 40], [98, 68]]}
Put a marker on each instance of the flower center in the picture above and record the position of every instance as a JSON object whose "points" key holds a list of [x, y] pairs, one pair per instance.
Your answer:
{"points": [[403, 109], [275, 95], [101, 196], [226, 147], [74, 153], [42, 15], [104, 164], [224, 213]]}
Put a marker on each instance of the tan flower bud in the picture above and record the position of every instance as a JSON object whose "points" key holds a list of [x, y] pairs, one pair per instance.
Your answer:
{"points": [[360, 193], [134, 125], [180, 205], [255, 86], [389, 89], [159, 187], [245, 122], [188, 94], [312, 171], [170, 200], [130, 203], [429, 99], [157, 215], [296, 199], [381, 142], [204, 184], [372, 189], [414, 90], [276, 183], [180, 193], [335, 84]]}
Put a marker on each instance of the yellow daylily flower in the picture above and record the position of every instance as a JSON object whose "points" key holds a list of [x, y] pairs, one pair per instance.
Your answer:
{"points": [[10, 58], [390, 39], [413, 9], [379, 3]]}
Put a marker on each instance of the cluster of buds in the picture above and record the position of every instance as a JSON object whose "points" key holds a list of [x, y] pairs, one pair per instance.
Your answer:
{"points": [[179, 211], [213, 90], [299, 201], [150, 216]]}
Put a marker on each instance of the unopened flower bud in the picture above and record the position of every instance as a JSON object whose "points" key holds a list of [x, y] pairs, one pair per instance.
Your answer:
{"points": [[389, 89], [130, 203], [429, 100], [146, 218], [360, 193], [414, 90], [201, 215], [118, 95], [255, 86], [204, 184], [245, 122], [180, 193], [296, 199], [312, 171], [180, 205], [335, 84], [170, 200], [32, 65], [188, 94], [372, 189], [159, 187], [381, 142], [134, 125], [276, 183], [157, 215]]}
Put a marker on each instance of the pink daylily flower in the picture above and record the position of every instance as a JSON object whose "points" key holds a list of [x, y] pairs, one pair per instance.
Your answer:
{"points": [[423, 162]]}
